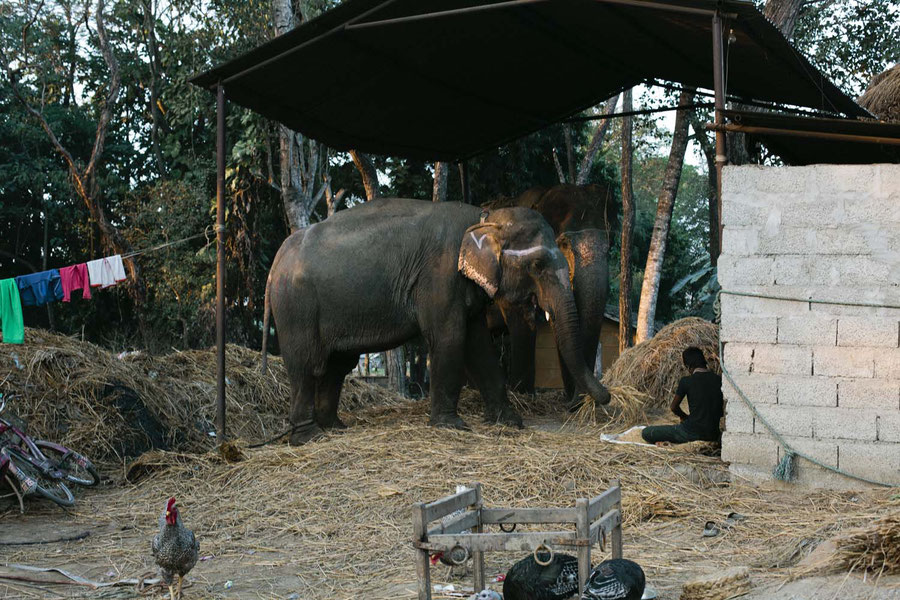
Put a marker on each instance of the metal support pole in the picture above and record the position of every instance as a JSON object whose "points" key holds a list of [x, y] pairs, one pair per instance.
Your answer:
{"points": [[220, 263], [464, 182], [423, 567], [719, 85]]}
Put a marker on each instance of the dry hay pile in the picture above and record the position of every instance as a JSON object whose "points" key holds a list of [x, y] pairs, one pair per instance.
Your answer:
{"points": [[107, 405], [874, 548], [882, 97], [654, 367], [731, 583], [334, 515]]}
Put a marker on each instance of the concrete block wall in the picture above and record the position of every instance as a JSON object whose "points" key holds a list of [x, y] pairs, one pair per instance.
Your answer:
{"points": [[825, 376]]}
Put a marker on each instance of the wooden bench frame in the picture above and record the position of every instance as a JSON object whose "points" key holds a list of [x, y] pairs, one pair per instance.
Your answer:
{"points": [[596, 520]]}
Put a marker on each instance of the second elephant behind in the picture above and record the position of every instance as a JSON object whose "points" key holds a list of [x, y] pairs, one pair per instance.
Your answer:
{"points": [[583, 219]]}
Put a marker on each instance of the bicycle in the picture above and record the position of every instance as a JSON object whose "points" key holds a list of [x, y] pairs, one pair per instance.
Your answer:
{"points": [[42, 467]]}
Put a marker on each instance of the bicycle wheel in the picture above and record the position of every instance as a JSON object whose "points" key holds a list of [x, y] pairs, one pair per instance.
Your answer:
{"points": [[51, 489], [77, 468]]}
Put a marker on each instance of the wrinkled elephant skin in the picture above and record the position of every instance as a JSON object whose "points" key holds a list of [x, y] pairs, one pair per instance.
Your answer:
{"points": [[377, 275]]}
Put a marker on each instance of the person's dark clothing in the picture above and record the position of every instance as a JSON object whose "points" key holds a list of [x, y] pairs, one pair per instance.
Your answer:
{"points": [[676, 434], [703, 391]]}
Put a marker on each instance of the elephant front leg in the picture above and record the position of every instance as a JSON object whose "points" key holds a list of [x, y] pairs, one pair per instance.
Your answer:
{"points": [[522, 339], [483, 366], [447, 347]]}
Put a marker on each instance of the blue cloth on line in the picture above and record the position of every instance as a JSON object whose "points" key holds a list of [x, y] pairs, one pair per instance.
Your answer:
{"points": [[38, 289]]}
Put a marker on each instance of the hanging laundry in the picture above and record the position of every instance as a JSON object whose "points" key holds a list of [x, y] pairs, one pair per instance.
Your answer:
{"points": [[11, 312], [75, 278], [38, 289], [105, 272]]}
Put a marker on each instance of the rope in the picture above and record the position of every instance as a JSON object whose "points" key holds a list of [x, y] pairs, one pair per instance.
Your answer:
{"points": [[784, 470], [811, 300], [172, 243]]}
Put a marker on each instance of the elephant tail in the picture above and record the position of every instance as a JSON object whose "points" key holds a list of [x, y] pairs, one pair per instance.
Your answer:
{"points": [[264, 364]]}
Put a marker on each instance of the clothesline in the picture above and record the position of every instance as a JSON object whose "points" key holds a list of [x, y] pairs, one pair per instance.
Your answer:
{"points": [[37, 289]]}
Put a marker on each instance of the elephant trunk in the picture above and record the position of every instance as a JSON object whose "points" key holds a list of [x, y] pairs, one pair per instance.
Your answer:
{"points": [[556, 298]]}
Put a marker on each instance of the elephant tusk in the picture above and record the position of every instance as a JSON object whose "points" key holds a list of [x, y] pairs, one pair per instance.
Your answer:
{"points": [[547, 315]]}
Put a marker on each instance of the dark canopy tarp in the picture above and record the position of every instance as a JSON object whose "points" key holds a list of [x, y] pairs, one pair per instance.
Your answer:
{"points": [[472, 74], [806, 141]]}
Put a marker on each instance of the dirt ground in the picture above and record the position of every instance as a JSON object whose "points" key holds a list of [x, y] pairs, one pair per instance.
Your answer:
{"points": [[332, 519]]}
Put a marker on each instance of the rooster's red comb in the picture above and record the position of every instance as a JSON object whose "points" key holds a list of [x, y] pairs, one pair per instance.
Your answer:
{"points": [[170, 503]]}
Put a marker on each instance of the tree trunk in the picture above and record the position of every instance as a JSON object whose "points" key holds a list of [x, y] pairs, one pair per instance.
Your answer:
{"points": [[395, 366], [559, 170], [784, 14], [627, 229], [664, 206], [596, 141], [570, 153], [441, 171], [709, 151], [368, 173]]}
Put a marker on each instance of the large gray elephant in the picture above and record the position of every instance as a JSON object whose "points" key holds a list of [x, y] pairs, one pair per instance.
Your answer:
{"points": [[582, 218], [377, 275]]}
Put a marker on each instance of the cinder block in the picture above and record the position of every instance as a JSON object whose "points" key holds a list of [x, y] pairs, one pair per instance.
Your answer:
{"points": [[738, 357], [734, 271], [887, 363], [825, 451], [788, 240], [867, 210], [844, 424], [853, 239], [738, 418], [747, 449], [868, 331], [877, 461], [859, 293], [888, 425], [809, 329], [760, 388], [791, 270], [789, 420], [869, 393], [807, 391], [782, 359], [740, 241], [738, 328], [844, 362], [813, 211], [887, 178], [832, 180], [786, 181]]}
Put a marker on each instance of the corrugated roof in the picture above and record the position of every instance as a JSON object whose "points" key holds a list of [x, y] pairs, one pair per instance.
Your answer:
{"points": [[447, 79]]}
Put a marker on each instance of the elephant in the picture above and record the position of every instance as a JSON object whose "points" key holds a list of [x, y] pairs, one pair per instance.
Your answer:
{"points": [[582, 218], [374, 276]]}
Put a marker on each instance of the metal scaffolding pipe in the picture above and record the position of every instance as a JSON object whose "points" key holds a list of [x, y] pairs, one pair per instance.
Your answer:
{"points": [[719, 89], [220, 263]]}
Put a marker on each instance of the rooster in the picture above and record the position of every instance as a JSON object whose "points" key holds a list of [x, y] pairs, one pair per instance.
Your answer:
{"points": [[175, 548]]}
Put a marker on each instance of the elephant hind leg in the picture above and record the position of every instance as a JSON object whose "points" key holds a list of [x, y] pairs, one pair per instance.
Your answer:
{"points": [[328, 395], [303, 401]]}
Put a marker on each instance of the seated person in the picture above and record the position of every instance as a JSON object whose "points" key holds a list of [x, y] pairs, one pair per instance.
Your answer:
{"points": [[703, 389]]}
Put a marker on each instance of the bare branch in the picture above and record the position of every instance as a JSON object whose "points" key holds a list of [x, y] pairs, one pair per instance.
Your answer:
{"points": [[112, 94]]}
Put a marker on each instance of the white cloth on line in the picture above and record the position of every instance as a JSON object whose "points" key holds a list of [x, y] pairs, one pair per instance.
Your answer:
{"points": [[106, 272]]}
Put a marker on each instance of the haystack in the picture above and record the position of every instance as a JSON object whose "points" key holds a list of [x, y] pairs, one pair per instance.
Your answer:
{"points": [[874, 548], [109, 405], [721, 585], [654, 367], [882, 97]]}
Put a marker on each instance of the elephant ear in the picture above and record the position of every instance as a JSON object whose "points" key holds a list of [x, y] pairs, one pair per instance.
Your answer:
{"points": [[479, 256]]}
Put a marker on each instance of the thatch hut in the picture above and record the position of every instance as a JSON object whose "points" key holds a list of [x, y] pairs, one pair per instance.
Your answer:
{"points": [[882, 98]]}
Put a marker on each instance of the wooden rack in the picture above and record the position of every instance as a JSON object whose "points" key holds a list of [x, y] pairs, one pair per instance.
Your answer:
{"points": [[596, 520]]}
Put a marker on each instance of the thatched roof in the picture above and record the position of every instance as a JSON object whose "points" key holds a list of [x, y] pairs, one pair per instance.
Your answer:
{"points": [[882, 98]]}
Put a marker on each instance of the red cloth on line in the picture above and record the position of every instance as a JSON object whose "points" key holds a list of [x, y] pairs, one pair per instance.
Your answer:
{"points": [[75, 278]]}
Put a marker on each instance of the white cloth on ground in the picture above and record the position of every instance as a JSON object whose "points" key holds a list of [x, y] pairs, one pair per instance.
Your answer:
{"points": [[106, 272]]}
